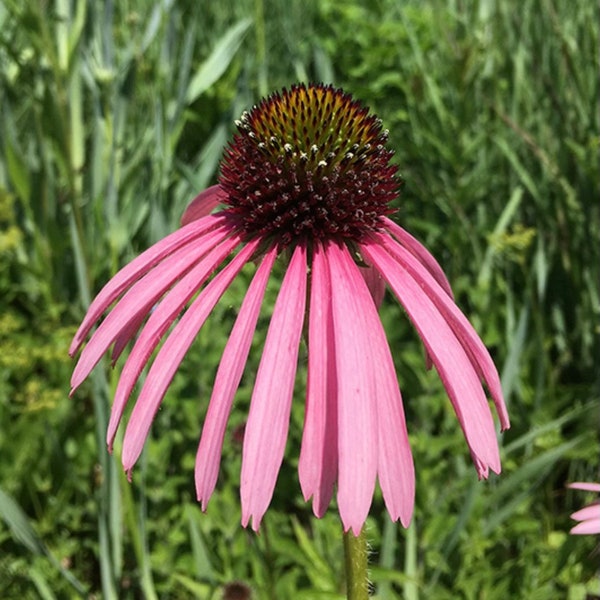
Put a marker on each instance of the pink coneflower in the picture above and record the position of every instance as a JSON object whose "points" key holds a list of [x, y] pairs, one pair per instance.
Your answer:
{"points": [[306, 180], [588, 517]]}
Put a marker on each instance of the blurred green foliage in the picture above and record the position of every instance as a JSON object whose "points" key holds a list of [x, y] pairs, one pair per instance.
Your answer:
{"points": [[115, 114]]}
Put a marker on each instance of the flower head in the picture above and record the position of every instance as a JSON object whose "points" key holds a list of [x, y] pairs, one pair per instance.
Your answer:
{"points": [[588, 517], [309, 163], [307, 178]]}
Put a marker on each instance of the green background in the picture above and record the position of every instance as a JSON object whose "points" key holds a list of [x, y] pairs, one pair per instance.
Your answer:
{"points": [[113, 115]]}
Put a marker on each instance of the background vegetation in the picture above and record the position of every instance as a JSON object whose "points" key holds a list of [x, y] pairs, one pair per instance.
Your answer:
{"points": [[114, 114]]}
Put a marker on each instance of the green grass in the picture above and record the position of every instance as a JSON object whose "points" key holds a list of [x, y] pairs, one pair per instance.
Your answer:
{"points": [[114, 115]]}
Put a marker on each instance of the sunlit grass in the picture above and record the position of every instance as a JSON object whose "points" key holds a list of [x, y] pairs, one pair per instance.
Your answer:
{"points": [[113, 115]]}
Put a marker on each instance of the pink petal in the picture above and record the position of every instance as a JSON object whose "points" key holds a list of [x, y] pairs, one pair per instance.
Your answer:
{"points": [[586, 486], [161, 319], [139, 299], [203, 204], [125, 336], [137, 268], [227, 380], [588, 513], [317, 467], [268, 419], [357, 389], [455, 368], [420, 253], [586, 528], [170, 355], [470, 341], [395, 466], [375, 283]]}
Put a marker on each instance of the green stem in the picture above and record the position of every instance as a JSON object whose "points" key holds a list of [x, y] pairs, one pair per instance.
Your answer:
{"points": [[261, 46], [355, 551]]}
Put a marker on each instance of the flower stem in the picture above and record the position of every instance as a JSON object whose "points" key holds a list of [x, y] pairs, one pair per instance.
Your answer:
{"points": [[355, 551]]}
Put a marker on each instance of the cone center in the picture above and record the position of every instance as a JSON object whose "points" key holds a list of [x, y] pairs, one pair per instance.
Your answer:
{"points": [[309, 162]]}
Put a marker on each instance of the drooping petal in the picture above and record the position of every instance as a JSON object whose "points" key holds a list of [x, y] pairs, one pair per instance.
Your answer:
{"points": [[227, 380], [395, 465], [138, 267], [168, 359], [125, 336], [471, 342], [587, 513], [584, 485], [357, 389], [375, 283], [268, 419], [395, 468], [317, 466], [591, 527], [420, 253], [139, 299], [454, 367], [161, 319], [203, 204]]}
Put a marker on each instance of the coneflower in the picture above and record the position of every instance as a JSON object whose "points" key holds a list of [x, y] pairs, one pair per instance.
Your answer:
{"points": [[306, 180]]}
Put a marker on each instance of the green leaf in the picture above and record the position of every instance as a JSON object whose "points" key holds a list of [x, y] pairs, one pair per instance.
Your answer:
{"points": [[19, 524], [204, 568], [216, 64], [505, 218], [17, 170], [41, 584]]}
